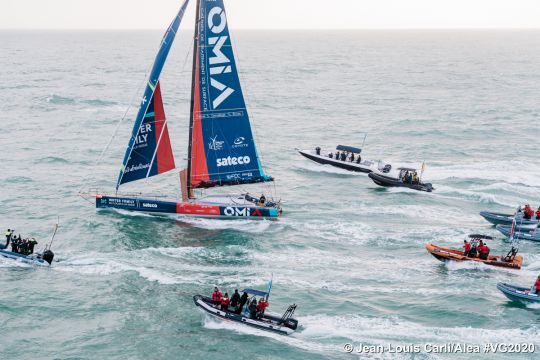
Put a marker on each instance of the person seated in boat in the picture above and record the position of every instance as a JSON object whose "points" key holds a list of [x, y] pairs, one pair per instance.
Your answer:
{"points": [[216, 296], [252, 307], [528, 212], [242, 302], [225, 301], [538, 213], [318, 150], [466, 248], [331, 156], [414, 178], [358, 159], [483, 251], [343, 156], [31, 244], [405, 178], [535, 289], [262, 200]]}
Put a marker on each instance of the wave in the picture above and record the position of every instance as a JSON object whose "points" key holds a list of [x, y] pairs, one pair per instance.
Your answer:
{"points": [[60, 100], [99, 102]]}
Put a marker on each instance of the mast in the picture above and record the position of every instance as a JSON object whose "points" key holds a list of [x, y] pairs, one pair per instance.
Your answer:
{"points": [[191, 112]]}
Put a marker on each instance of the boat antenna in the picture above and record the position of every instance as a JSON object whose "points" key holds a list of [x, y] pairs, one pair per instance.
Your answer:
{"points": [[364, 141], [48, 247]]}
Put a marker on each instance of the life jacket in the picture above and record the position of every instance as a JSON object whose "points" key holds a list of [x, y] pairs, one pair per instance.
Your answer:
{"points": [[216, 296], [537, 284], [225, 301], [467, 247], [538, 213]]}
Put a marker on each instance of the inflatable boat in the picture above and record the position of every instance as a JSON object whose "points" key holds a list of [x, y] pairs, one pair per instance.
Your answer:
{"points": [[351, 159], [507, 219], [283, 325], [400, 180], [520, 233], [41, 259], [447, 254], [518, 293]]}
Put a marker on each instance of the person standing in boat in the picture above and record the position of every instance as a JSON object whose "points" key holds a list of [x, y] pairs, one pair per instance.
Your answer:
{"points": [[535, 289], [225, 301], [483, 251], [253, 309], [538, 213], [343, 156], [262, 200], [352, 157], [337, 155], [31, 244], [243, 300], [466, 248], [331, 156], [8, 238], [235, 299], [528, 212], [216, 296], [318, 150]]}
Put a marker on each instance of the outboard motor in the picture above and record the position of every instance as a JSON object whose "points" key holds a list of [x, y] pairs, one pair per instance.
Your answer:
{"points": [[318, 150], [48, 256]]}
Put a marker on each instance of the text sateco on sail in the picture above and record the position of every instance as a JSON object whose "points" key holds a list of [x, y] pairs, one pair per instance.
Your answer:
{"points": [[233, 160]]}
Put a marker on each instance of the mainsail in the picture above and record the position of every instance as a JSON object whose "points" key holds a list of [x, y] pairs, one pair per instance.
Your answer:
{"points": [[149, 150], [222, 149]]}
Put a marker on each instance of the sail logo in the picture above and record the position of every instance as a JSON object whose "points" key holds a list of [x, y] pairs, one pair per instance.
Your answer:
{"points": [[239, 143], [219, 62], [234, 211], [142, 136], [232, 161], [215, 144]]}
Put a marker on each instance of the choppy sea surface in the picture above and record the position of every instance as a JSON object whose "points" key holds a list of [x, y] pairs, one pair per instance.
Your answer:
{"points": [[350, 254]]}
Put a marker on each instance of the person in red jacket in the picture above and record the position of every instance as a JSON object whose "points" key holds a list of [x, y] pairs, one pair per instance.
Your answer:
{"points": [[261, 306], [466, 247], [483, 252], [225, 302], [535, 289], [538, 213], [216, 296], [528, 212]]}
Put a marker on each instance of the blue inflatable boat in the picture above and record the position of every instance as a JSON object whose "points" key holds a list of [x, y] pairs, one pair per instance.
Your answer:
{"points": [[44, 259], [518, 293], [522, 234], [506, 219]]}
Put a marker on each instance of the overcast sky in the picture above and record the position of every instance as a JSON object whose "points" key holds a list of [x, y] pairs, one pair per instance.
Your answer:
{"points": [[274, 14]]}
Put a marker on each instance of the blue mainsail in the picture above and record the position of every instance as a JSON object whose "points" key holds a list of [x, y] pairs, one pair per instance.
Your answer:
{"points": [[222, 150], [138, 160]]}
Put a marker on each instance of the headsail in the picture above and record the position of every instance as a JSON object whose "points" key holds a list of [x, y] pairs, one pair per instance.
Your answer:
{"points": [[149, 151], [222, 149]]}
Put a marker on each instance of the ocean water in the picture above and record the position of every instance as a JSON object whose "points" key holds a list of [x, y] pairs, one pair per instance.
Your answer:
{"points": [[350, 254]]}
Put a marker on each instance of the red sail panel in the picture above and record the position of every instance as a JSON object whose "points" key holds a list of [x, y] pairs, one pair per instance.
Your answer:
{"points": [[199, 168], [164, 155]]}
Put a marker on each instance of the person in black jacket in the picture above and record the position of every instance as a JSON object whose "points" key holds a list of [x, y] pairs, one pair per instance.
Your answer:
{"points": [[235, 299], [243, 300]]}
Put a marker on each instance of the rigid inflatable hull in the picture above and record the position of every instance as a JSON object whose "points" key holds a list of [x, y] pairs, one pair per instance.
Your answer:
{"points": [[519, 233], [229, 211], [228, 316], [507, 219], [387, 181], [346, 165], [518, 293], [447, 254], [24, 258]]}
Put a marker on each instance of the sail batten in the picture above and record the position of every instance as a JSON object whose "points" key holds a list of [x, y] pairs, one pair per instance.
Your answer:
{"points": [[149, 151], [222, 148]]}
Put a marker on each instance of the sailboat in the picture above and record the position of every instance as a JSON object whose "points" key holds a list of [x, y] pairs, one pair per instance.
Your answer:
{"points": [[221, 150]]}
